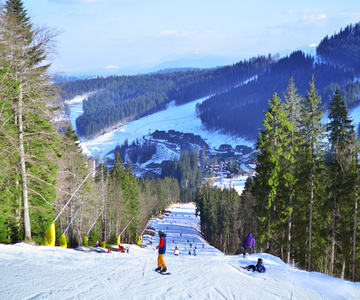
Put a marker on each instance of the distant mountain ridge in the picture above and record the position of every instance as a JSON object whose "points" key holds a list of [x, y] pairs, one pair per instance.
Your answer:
{"points": [[191, 60], [239, 91], [342, 48], [115, 99]]}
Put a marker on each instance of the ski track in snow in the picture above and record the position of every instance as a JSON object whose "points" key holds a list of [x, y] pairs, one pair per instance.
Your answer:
{"points": [[30, 272]]}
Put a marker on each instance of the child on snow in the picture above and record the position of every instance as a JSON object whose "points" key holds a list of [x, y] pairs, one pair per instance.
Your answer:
{"points": [[176, 251], [259, 267], [162, 250]]}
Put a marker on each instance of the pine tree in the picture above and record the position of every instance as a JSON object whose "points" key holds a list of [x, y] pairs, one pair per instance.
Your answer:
{"points": [[341, 139], [312, 152], [292, 109], [272, 144], [24, 48]]}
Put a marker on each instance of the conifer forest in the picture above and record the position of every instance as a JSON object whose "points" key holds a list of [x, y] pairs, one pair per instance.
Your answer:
{"points": [[301, 204]]}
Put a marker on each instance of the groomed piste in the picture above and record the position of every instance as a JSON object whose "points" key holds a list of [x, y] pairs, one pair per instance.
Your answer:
{"points": [[42, 272]]}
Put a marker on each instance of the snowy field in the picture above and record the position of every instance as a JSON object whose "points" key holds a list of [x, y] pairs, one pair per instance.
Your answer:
{"points": [[30, 272]]}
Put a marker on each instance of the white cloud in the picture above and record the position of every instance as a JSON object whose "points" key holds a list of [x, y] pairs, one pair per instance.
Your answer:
{"points": [[314, 17], [76, 1], [174, 33], [112, 67], [276, 31]]}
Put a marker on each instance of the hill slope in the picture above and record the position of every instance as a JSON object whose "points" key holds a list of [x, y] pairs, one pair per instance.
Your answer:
{"points": [[56, 273]]}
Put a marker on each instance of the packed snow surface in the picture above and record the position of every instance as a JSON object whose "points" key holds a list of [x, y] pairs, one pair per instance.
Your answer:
{"points": [[40, 272]]}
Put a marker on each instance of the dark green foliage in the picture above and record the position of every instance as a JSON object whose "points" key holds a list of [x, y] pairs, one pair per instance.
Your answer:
{"points": [[117, 99], [239, 111], [273, 146], [28, 142], [342, 48], [226, 218], [186, 170], [305, 187]]}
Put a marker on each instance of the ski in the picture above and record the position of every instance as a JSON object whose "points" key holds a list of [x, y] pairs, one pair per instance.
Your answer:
{"points": [[164, 273]]}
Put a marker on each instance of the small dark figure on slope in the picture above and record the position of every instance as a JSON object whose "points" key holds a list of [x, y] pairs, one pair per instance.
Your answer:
{"points": [[259, 267]]}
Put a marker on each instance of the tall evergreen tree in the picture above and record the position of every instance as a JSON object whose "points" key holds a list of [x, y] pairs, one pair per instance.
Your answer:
{"points": [[292, 109], [272, 144], [341, 138], [24, 49], [312, 148]]}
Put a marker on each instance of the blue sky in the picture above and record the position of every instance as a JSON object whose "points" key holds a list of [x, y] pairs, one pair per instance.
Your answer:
{"points": [[121, 33]]}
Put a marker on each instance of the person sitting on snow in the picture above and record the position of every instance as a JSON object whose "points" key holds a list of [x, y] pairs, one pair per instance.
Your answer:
{"points": [[259, 267], [176, 251]]}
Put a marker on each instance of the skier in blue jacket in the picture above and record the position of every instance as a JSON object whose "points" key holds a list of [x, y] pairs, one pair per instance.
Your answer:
{"points": [[162, 250], [259, 267]]}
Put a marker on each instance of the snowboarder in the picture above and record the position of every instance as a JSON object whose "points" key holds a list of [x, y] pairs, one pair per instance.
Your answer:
{"points": [[162, 249], [248, 244], [259, 267], [176, 251], [195, 251]]}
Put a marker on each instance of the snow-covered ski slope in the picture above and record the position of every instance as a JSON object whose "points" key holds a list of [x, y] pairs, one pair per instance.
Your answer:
{"points": [[30, 272]]}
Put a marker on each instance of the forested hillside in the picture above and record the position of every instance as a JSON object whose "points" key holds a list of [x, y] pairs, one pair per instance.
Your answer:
{"points": [[303, 202], [234, 108], [342, 48], [239, 111], [45, 179], [117, 99]]}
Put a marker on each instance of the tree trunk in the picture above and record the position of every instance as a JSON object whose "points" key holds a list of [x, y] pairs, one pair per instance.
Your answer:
{"points": [[25, 199], [343, 269], [332, 258], [355, 220], [311, 208], [289, 232], [103, 217]]}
